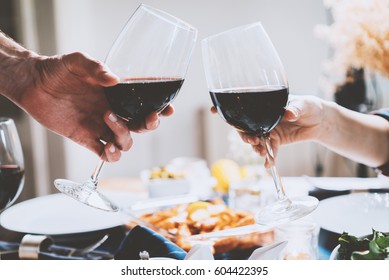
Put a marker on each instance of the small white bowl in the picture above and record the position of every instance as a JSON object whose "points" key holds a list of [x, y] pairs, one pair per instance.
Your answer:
{"points": [[165, 187], [168, 187]]}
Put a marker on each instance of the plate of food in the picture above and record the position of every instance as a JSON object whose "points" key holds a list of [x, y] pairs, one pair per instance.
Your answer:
{"points": [[199, 221]]}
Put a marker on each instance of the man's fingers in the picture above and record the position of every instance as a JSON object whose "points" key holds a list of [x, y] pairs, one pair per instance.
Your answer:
{"points": [[108, 152], [121, 132], [111, 153], [80, 64], [151, 122]]}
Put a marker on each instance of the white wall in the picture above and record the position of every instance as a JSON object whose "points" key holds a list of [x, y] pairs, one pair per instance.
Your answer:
{"points": [[92, 25]]}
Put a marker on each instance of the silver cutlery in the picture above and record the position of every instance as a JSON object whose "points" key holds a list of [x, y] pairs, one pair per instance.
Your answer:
{"points": [[56, 251], [89, 248]]}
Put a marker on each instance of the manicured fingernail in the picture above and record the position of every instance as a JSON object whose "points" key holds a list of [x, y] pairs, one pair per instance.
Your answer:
{"points": [[112, 117], [112, 148], [294, 110]]}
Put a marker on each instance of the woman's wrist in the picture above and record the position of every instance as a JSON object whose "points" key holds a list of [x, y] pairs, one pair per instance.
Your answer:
{"points": [[329, 113], [360, 137]]}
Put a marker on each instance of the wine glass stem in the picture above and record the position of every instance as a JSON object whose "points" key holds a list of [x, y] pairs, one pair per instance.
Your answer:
{"points": [[95, 175], [273, 170]]}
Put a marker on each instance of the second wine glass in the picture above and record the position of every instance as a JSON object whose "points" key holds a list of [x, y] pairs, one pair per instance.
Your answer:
{"points": [[249, 89], [11, 163], [150, 56]]}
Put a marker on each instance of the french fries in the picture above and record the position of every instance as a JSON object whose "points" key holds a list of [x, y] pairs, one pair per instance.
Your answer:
{"points": [[202, 217]]}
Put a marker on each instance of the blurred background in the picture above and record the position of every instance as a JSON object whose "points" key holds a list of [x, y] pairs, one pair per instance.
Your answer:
{"points": [[58, 26]]}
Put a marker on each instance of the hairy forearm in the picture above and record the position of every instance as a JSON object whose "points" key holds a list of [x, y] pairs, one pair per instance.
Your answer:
{"points": [[15, 67], [360, 137]]}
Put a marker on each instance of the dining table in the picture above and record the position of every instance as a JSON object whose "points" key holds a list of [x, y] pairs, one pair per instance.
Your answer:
{"points": [[134, 189]]}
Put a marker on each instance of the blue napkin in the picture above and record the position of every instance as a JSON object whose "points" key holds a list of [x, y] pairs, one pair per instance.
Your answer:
{"points": [[144, 239]]}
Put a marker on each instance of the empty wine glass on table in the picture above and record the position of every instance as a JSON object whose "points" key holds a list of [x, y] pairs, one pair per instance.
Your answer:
{"points": [[11, 164], [150, 56], [249, 89]]}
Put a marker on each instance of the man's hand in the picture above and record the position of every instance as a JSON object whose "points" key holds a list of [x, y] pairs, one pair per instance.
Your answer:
{"points": [[65, 94]]}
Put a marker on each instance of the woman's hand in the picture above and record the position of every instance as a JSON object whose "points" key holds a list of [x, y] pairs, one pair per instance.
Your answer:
{"points": [[302, 121]]}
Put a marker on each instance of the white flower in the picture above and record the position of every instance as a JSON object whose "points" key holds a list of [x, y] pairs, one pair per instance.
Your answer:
{"points": [[359, 37]]}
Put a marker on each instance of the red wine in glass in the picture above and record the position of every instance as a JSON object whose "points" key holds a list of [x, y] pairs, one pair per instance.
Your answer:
{"points": [[11, 164], [249, 88], [254, 111], [135, 99], [11, 184]]}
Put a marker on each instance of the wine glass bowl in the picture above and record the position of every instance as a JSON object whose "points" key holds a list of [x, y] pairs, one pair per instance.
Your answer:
{"points": [[249, 88], [253, 111], [150, 56], [135, 99], [11, 164]]}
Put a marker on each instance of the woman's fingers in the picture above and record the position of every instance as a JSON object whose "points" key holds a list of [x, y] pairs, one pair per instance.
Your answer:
{"points": [[213, 110], [291, 114], [249, 139], [168, 111]]}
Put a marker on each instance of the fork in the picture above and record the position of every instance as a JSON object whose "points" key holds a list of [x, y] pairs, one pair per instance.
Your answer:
{"points": [[72, 252], [89, 248]]}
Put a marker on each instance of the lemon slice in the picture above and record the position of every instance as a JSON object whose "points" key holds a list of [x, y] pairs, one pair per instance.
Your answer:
{"points": [[225, 171], [196, 206]]}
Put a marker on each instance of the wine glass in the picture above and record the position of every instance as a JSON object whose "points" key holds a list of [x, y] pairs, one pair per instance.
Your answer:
{"points": [[11, 164], [249, 88], [150, 56]]}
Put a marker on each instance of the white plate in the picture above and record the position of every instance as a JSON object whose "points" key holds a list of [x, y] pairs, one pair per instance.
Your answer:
{"points": [[348, 183], [356, 213], [58, 214]]}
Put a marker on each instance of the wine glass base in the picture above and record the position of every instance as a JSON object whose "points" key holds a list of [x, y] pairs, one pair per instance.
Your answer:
{"points": [[286, 211], [85, 193]]}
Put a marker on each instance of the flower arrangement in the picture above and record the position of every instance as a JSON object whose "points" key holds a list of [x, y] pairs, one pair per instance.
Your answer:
{"points": [[359, 36]]}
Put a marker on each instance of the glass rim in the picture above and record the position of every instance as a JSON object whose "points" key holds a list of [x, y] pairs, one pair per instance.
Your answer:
{"points": [[157, 12], [244, 26]]}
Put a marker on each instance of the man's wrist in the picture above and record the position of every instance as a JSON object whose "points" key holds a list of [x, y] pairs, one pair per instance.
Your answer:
{"points": [[16, 72], [17, 65]]}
